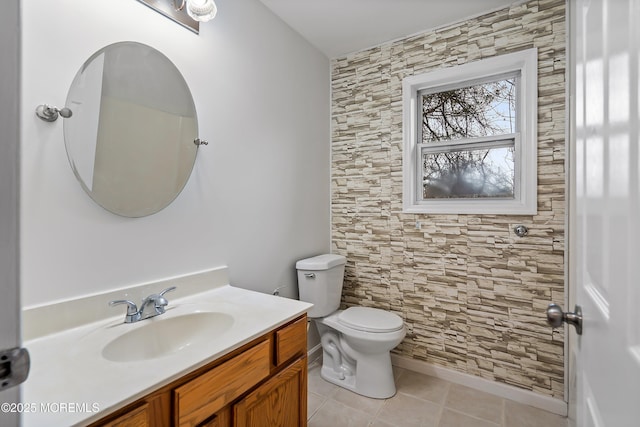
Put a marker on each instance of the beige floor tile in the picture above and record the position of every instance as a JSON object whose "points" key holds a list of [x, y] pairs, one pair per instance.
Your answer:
{"points": [[409, 411], [475, 403], [317, 385], [456, 419], [520, 415], [423, 387], [314, 401], [419, 402], [335, 414], [356, 401]]}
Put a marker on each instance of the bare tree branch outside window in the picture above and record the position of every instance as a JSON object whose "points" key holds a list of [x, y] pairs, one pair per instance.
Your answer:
{"points": [[481, 110]]}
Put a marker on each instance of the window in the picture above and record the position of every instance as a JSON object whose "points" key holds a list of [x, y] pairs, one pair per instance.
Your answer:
{"points": [[470, 137]]}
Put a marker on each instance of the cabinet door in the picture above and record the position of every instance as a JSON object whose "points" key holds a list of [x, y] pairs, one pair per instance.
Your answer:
{"points": [[279, 402], [138, 417], [221, 419]]}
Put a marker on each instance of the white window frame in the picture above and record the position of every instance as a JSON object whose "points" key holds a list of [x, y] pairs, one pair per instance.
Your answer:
{"points": [[525, 139]]}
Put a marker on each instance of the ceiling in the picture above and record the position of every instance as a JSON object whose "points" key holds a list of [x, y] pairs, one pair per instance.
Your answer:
{"points": [[338, 27]]}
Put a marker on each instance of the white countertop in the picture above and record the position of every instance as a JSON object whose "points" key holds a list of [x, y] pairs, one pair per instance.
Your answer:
{"points": [[70, 379]]}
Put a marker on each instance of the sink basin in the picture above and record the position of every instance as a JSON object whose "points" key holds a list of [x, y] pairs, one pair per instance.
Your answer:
{"points": [[164, 336]]}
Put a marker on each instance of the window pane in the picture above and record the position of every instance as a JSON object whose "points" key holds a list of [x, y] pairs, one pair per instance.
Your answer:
{"points": [[469, 173], [484, 109]]}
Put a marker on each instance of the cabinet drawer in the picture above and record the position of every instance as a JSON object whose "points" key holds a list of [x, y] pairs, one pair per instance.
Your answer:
{"points": [[291, 341], [201, 397]]}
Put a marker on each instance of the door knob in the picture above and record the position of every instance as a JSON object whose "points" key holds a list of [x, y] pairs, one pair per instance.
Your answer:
{"points": [[556, 317]]}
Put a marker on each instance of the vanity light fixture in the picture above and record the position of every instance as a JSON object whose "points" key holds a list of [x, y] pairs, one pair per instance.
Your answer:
{"points": [[199, 10], [188, 13]]}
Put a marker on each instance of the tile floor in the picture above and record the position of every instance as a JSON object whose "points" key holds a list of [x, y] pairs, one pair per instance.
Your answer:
{"points": [[421, 401]]}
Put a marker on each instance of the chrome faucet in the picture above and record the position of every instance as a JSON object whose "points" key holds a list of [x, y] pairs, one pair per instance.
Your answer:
{"points": [[151, 306]]}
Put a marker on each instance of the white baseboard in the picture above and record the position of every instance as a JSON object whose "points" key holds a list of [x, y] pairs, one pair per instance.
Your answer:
{"points": [[314, 353], [506, 391]]}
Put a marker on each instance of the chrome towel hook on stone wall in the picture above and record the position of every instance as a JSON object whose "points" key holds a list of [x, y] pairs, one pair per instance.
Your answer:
{"points": [[521, 230], [49, 113]]}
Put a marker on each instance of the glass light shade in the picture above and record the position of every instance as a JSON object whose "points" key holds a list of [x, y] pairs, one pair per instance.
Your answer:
{"points": [[201, 10]]}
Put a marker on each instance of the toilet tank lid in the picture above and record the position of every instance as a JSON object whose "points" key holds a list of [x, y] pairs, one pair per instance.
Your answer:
{"points": [[321, 262]]}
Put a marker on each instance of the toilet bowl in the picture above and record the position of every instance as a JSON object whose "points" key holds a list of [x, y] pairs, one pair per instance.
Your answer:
{"points": [[356, 342]]}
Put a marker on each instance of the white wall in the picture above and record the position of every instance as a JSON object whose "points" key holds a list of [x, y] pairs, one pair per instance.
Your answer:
{"points": [[258, 198]]}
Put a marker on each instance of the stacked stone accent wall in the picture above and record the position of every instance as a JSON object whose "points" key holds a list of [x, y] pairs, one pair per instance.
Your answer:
{"points": [[473, 295]]}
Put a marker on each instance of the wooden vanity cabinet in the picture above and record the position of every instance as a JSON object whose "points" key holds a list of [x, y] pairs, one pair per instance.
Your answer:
{"points": [[262, 384]]}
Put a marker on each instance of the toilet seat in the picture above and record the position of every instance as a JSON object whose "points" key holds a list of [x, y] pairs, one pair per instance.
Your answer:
{"points": [[369, 319]]}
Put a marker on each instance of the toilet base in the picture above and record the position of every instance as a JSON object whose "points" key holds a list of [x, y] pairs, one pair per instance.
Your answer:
{"points": [[375, 380]]}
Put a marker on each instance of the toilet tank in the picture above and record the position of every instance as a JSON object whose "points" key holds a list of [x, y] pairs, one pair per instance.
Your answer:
{"points": [[320, 282]]}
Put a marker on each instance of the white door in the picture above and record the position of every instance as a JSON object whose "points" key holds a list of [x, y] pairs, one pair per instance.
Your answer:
{"points": [[9, 178], [606, 227]]}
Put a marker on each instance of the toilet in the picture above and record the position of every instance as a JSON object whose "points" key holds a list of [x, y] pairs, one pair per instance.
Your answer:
{"points": [[356, 342]]}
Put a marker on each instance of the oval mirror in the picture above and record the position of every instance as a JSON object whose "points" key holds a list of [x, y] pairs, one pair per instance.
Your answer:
{"points": [[131, 138]]}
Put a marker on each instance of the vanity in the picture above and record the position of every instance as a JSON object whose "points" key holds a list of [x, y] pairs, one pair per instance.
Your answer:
{"points": [[262, 383], [219, 356]]}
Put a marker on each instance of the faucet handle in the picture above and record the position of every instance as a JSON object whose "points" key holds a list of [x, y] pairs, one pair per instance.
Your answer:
{"points": [[132, 308], [161, 302], [172, 288]]}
